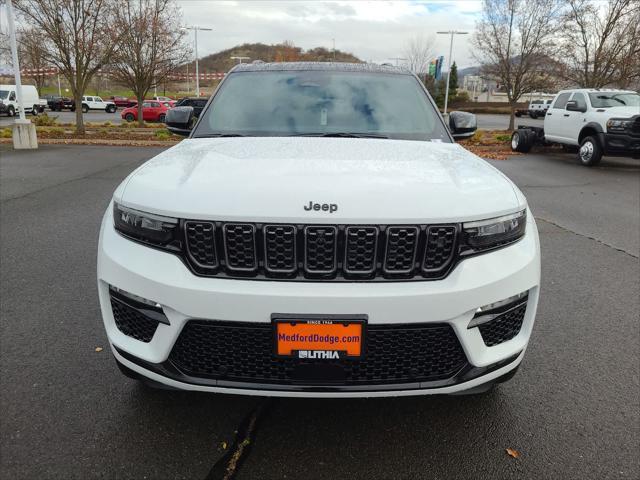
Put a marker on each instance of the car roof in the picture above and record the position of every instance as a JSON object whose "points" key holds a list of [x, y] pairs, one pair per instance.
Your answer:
{"points": [[595, 90], [319, 66]]}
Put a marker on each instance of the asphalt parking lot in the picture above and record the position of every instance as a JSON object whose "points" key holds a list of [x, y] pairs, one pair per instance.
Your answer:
{"points": [[485, 121], [67, 412]]}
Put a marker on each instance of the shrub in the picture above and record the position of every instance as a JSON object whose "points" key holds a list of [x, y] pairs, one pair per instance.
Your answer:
{"points": [[44, 120], [107, 124], [503, 138], [162, 134], [57, 131], [477, 136], [6, 133]]}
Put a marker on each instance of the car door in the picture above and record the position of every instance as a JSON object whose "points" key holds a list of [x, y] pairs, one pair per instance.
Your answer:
{"points": [[576, 120], [555, 117], [88, 101], [98, 103], [149, 111]]}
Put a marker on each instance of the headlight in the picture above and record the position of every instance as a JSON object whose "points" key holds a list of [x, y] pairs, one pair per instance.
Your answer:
{"points": [[146, 227], [494, 232], [618, 124]]}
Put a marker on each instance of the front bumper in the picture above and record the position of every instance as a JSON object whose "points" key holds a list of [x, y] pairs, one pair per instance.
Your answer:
{"points": [[621, 144], [163, 278]]}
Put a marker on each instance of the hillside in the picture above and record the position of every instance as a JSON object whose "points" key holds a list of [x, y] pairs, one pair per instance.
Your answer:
{"points": [[284, 52]]}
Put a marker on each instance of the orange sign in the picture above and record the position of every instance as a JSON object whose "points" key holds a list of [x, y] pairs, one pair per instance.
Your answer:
{"points": [[310, 338]]}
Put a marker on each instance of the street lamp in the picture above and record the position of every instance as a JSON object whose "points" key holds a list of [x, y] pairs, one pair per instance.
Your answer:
{"points": [[240, 59], [24, 132], [397, 59], [446, 93], [195, 33]]}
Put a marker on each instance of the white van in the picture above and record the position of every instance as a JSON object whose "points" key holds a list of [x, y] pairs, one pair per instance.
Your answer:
{"points": [[9, 100]]}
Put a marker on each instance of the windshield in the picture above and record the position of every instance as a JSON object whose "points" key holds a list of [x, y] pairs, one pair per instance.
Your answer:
{"points": [[614, 99], [4, 94], [284, 103]]}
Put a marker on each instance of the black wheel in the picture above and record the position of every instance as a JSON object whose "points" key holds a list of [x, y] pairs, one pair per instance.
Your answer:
{"points": [[590, 152], [72, 108], [11, 111], [129, 117], [34, 110], [85, 108], [522, 140], [161, 118], [110, 109], [533, 115]]}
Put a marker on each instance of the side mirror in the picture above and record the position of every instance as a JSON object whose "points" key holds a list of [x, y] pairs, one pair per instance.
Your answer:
{"points": [[462, 124], [180, 120], [572, 106]]}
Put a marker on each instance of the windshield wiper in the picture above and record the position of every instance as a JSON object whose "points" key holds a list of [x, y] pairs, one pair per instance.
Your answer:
{"points": [[215, 135], [340, 135]]}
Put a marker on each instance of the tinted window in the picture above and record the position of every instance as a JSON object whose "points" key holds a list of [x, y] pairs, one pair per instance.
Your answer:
{"points": [[561, 101], [614, 99], [97, 99], [4, 94], [146, 104], [281, 103], [580, 99], [89, 99], [155, 104]]}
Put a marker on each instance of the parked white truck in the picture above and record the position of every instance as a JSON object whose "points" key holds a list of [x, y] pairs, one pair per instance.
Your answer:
{"points": [[593, 122]]}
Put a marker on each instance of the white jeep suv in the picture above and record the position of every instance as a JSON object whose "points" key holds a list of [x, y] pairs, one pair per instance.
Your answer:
{"points": [[318, 234], [96, 103]]}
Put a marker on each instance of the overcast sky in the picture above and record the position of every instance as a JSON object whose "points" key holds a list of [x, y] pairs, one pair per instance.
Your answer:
{"points": [[371, 30]]}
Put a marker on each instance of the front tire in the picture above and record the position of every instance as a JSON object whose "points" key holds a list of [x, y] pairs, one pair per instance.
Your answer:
{"points": [[85, 108], [590, 152], [521, 140], [11, 111], [533, 115], [129, 117], [34, 111], [110, 109]]}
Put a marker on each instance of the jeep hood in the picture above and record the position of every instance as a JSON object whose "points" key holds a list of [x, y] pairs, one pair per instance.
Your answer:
{"points": [[270, 179]]}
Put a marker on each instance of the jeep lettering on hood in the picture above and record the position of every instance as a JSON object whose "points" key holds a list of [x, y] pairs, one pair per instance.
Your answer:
{"points": [[325, 207]]}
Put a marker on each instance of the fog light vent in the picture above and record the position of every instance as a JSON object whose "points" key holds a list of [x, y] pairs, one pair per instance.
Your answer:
{"points": [[135, 316]]}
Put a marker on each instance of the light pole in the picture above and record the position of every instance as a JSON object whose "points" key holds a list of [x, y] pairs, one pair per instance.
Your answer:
{"points": [[397, 59], [446, 93], [240, 59], [24, 132], [195, 29]]}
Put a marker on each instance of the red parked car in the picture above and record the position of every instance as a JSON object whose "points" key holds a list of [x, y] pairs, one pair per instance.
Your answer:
{"points": [[123, 102], [152, 111]]}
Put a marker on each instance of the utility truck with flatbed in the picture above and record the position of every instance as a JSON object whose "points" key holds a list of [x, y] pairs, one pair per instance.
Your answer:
{"points": [[591, 122]]}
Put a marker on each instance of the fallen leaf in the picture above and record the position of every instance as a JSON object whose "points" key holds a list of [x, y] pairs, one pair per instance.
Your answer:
{"points": [[98, 349], [224, 445], [513, 453]]}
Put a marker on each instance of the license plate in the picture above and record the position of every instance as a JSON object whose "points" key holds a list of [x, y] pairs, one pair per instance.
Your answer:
{"points": [[319, 339]]}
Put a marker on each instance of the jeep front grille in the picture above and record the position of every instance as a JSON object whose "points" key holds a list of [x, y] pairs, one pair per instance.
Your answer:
{"points": [[320, 252]]}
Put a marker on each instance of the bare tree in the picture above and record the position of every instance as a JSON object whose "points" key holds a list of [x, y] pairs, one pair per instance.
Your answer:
{"points": [[33, 55], [151, 47], [600, 44], [80, 39], [513, 44], [419, 52]]}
